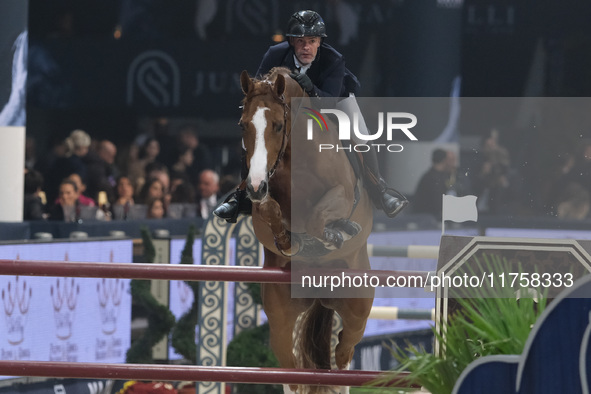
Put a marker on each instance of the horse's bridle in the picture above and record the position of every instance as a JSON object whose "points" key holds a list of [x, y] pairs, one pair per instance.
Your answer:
{"points": [[286, 135]]}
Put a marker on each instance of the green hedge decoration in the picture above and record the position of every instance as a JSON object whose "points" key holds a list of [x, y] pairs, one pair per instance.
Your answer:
{"points": [[251, 348]]}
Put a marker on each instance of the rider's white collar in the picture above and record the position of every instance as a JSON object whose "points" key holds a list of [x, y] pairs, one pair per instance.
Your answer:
{"points": [[300, 66]]}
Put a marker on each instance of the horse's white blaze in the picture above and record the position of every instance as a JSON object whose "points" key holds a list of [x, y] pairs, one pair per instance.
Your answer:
{"points": [[258, 161]]}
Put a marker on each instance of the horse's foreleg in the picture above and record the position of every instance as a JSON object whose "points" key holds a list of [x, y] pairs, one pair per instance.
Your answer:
{"points": [[270, 212], [354, 313], [332, 207], [282, 313]]}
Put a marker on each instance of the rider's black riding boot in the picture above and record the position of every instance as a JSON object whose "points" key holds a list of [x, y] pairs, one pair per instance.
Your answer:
{"points": [[390, 204], [379, 190], [235, 204]]}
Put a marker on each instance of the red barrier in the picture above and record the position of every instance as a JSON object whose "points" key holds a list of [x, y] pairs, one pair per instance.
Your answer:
{"points": [[222, 273], [153, 372]]}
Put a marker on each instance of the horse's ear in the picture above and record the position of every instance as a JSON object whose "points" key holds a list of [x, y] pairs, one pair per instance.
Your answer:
{"points": [[245, 82], [280, 84]]}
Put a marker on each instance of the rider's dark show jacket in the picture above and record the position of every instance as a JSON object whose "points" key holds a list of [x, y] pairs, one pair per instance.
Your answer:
{"points": [[327, 71]]}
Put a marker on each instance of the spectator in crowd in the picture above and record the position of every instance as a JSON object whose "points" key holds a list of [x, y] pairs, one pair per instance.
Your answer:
{"points": [[124, 191], [67, 208], [81, 188], [228, 183], [102, 172], [77, 146], [491, 183], [123, 198], [45, 164], [147, 154], [189, 137], [438, 180], [33, 205], [156, 208], [151, 189], [209, 186], [183, 161], [183, 192], [160, 172]]}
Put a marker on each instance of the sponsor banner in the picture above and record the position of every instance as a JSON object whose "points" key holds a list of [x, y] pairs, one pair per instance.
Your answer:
{"points": [[62, 386], [66, 319]]}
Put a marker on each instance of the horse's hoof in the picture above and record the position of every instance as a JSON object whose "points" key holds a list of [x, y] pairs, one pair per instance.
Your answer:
{"points": [[289, 248], [333, 238], [348, 227]]}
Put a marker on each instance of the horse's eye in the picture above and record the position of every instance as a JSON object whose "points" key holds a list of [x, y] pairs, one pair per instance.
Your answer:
{"points": [[279, 127], [241, 124]]}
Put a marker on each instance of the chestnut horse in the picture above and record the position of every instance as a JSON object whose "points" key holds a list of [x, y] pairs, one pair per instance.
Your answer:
{"points": [[309, 208]]}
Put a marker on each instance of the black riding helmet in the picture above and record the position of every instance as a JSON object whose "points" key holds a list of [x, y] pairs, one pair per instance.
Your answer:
{"points": [[306, 24]]}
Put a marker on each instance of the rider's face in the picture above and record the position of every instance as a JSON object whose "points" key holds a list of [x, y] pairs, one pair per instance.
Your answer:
{"points": [[306, 48]]}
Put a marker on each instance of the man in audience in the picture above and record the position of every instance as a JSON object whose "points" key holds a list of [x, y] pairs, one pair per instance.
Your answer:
{"points": [[438, 180], [209, 186]]}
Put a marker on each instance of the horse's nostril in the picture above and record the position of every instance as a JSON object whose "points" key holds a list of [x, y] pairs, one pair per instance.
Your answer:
{"points": [[258, 193]]}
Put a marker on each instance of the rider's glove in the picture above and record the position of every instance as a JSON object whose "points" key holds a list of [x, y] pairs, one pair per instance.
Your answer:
{"points": [[305, 82]]}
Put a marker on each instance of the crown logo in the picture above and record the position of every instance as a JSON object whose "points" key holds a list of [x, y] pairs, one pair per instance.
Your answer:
{"points": [[110, 293], [16, 299], [64, 296]]}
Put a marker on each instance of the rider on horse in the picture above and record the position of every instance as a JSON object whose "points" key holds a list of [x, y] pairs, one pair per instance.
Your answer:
{"points": [[320, 70]]}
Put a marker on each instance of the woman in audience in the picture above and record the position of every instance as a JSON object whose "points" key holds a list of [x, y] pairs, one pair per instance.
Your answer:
{"points": [[148, 153], [124, 191], [151, 189], [156, 209], [68, 206]]}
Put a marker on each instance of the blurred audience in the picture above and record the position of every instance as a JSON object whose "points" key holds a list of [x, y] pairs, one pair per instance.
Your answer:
{"points": [[209, 186], [556, 182], [183, 161], [81, 188], [30, 153], [34, 207], [151, 189], [147, 154], [102, 171], [159, 171], [124, 191], [574, 203], [189, 137], [582, 170], [124, 198], [183, 192], [77, 146], [438, 180], [156, 208], [491, 183], [67, 208]]}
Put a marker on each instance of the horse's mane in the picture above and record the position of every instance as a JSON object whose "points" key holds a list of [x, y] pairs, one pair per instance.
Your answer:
{"points": [[270, 79], [272, 74]]}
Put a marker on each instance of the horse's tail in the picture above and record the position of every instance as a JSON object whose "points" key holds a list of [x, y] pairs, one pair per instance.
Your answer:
{"points": [[314, 337]]}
